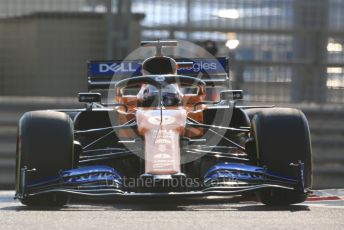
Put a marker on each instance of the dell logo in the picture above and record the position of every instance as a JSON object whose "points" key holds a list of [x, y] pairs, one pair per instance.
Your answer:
{"points": [[115, 67]]}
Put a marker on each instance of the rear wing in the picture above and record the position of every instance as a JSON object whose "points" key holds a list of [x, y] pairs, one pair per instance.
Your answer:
{"points": [[104, 74]]}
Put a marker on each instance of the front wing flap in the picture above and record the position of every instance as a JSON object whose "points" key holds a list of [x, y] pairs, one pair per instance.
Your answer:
{"points": [[105, 182]]}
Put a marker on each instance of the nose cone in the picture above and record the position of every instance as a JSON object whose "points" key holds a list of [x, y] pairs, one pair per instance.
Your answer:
{"points": [[162, 146]]}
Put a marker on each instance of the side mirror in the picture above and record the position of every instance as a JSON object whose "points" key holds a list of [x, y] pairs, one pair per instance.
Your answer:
{"points": [[231, 95], [90, 97]]}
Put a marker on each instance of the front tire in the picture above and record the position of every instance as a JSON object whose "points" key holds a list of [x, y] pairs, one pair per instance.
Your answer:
{"points": [[44, 143], [282, 137]]}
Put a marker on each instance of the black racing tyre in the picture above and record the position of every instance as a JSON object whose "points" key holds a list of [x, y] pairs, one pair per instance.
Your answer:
{"points": [[282, 137], [44, 143], [253, 111]]}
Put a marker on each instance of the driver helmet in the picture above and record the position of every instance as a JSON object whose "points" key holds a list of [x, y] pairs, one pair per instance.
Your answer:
{"points": [[149, 96]]}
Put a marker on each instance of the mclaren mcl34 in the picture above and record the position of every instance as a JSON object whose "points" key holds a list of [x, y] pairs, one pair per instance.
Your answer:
{"points": [[170, 127]]}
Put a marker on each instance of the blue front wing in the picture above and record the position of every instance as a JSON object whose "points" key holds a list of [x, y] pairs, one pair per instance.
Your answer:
{"points": [[106, 182]]}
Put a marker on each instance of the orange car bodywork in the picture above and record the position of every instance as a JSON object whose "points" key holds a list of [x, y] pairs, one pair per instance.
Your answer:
{"points": [[188, 105], [162, 147]]}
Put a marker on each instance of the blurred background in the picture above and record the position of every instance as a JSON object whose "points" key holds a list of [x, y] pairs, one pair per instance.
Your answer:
{"points": [[282, 52]]}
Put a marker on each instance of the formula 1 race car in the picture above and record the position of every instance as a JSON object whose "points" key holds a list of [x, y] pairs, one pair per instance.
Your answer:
{"points": [[170, 128]]}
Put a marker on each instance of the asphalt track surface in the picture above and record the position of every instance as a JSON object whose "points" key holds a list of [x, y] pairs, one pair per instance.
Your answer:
{"points": [[319, 213]]}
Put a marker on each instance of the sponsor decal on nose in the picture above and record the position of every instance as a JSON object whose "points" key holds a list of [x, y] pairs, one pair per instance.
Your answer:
{"points": [[166, 120]]}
